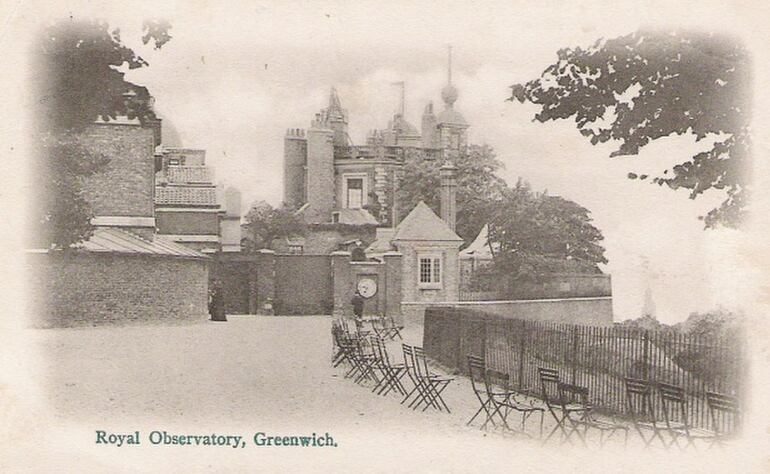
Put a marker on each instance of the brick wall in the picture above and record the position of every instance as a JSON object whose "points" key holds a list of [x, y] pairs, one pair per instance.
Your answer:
{"points": [[87, 289], [126, 187], [450, 289], [187, 223]]}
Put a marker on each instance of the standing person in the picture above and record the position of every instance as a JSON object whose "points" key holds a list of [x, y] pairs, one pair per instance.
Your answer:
{"points": [[216, 302], [358, 310]]}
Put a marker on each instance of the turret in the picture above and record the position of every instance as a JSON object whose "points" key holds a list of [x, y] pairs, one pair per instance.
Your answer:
{"points": [[294, 163]]}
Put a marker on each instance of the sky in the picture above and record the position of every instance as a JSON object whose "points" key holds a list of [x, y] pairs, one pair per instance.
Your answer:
{"points": [[235, 76]]}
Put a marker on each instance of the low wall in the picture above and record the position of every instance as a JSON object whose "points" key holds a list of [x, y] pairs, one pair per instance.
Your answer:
{"points": [[89, 289], [585, 311]]}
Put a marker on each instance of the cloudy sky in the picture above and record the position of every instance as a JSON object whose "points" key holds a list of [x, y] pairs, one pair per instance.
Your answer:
{"points": [[235, 77]]}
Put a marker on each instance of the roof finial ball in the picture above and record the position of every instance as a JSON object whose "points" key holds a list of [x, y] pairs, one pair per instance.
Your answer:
{"points": [[449, 92]]}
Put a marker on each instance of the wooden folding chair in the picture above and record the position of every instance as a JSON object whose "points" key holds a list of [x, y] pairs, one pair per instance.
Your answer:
{"points": [[391, 373], [577, 395], [433, 384], [675, 413], [559, 409], [639, 403], [504, 401], [477, 372], [725, 417]]}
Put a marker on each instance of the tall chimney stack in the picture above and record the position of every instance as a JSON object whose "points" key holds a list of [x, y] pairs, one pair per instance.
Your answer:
{"points": [[448, 194]]}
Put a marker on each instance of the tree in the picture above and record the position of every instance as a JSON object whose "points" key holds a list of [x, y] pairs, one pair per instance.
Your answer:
{"points": [[652, 84], [264, 223], [80, 80], [534, 234], [477, 187]]}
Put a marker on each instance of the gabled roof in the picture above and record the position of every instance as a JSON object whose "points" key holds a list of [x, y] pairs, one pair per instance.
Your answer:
{"points": [[111, 240], [423, 224]]}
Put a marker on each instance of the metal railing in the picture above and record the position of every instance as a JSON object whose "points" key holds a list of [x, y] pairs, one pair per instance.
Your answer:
{"points": [[595, 357]]}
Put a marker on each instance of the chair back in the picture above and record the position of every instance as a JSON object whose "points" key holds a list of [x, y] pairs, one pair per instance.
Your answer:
{"points": [[549, 384], [408, 357], [495, 378], [420, 362], [639, 400], [477, 368], [725, 413], [673, 403], [573, 394]]}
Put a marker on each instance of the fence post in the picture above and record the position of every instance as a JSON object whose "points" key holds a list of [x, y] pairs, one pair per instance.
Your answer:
{"points": [[645, 355], [573, 359], [522, 341]]}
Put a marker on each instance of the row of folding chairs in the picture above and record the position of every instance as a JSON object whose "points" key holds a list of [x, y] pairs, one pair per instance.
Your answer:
{"points": [[675, 429], [369, 364], [386, 327]]}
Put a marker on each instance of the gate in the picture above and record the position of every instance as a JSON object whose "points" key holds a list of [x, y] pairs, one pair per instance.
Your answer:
{"points": [[303, 285]]}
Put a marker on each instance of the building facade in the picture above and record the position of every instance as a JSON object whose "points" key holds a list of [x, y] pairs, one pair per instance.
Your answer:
{"points": [[329, 179]]}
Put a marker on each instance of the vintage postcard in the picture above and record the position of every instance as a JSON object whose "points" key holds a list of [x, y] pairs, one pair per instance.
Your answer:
{"points": [[306, 236]]}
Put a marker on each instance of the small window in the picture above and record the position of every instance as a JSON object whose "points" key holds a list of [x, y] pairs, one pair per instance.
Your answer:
{"points": [[429, 270], [296, 249], [335, 217], [355, 193]]}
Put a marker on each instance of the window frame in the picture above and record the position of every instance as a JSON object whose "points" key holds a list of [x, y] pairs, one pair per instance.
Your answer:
{"points": [[364, 177], [434, 257]]}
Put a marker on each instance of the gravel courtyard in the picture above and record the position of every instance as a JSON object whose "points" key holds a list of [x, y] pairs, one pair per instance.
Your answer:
{"points": [[260, 374]]}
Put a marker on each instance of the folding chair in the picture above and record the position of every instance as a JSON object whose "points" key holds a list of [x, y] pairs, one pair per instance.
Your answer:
{"points": [[559, 409], [391, 373], [411, 372], [675, 406], [504, 401], [642, 410], [477, 372], [725, 416], [433, 384], [575, 394], [395, 329]]}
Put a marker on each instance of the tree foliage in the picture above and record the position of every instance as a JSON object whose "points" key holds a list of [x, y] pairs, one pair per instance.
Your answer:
{"points": [[535, 234], [79, 79], [264, 223], [651, 84], [477, 187]]}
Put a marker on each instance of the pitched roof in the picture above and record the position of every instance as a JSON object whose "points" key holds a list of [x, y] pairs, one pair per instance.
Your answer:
{"points": [[356, 217], [111, 240], [479, 248], [423, 224]]}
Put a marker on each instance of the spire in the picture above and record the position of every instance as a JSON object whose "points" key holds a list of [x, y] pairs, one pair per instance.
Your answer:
{"points": [[402, 84], [335, 108], [449, 92]]}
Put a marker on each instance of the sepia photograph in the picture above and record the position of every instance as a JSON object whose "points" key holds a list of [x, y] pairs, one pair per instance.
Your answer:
{"points": [[332, 236]]}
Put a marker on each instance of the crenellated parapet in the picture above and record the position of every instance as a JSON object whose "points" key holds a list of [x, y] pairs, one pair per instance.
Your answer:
{"points": [[295, 134]]}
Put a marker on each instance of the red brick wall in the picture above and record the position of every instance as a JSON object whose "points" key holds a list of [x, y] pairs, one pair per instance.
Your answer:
{"points": [[126, 187], [90, 289], [187, 223]]}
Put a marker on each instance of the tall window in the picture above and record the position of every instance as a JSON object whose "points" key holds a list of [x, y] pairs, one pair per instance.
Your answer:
{"points": [[355, 190], [429, 270]]}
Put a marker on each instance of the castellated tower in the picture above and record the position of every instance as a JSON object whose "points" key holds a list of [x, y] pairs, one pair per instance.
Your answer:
{"points": [[337, 119], [294, 163], [320, 171]]}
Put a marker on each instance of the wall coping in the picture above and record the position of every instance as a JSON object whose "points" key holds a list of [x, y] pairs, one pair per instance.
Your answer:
{"points": [[471, 303], [266, 251], [340, 253], [393, 254]]}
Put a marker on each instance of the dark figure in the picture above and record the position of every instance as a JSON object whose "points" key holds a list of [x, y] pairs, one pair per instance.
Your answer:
{"points": [[217, 302], [358, 310]]}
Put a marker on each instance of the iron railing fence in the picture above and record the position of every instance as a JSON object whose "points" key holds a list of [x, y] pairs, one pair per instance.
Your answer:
{"points": [[595, 357]]}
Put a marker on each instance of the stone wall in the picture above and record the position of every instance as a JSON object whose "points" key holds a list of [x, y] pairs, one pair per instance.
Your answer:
{"points": [[90, 289], [586, 311], [386, 274]]}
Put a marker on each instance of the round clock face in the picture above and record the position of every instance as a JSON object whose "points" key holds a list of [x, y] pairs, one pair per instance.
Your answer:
{"points": [[367, 287]]}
